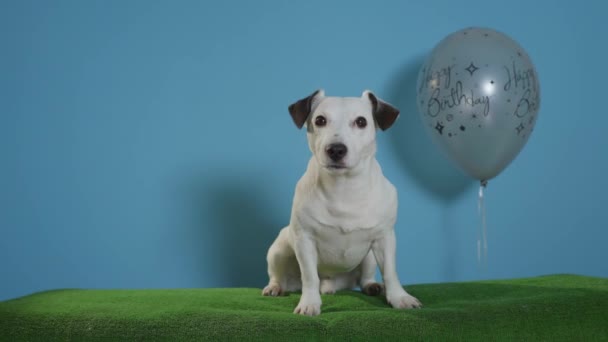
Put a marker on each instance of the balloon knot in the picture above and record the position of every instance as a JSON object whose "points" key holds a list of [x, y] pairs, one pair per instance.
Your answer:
{"points": [[483, 183]]}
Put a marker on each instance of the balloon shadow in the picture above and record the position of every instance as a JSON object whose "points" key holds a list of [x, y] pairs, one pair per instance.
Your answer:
{"points": [[415, 150], [422, 160]]}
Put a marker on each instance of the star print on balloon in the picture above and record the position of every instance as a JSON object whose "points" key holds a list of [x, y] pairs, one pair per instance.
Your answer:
{"points": [[439, 127], [479, 96], [471, 68]]}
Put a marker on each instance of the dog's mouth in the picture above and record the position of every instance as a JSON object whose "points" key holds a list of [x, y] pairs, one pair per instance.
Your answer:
{"points": [[335, 166]]}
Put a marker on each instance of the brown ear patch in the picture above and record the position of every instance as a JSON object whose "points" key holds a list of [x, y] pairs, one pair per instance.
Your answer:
{"points": [[301, 109], [384, 113]]}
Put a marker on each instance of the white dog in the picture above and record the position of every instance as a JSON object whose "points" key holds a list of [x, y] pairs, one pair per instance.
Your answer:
{"points": [[344, 209]]}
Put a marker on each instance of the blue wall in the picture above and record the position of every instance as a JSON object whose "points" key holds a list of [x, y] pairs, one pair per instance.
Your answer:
{"points": [[148, 144]]}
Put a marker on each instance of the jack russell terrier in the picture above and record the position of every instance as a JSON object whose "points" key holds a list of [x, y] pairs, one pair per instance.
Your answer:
{"points": [[344, 209]]}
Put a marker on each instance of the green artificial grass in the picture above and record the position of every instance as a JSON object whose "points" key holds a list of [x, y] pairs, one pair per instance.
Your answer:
{"points": [[558, 307]]}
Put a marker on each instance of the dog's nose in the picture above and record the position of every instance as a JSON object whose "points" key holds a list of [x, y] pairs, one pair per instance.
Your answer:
{"points": [[336, 151]]}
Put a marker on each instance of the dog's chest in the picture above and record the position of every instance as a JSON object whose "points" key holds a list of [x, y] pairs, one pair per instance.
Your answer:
{"points": [[339, 253], [344, 231], [346, 217]]}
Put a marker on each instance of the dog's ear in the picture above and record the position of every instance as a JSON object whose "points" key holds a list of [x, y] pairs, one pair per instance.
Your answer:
{"points": [[301, 109], [384, 113]]}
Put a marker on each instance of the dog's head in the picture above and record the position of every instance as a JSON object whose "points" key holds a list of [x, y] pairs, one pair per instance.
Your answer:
{"points": [[342, 130]]}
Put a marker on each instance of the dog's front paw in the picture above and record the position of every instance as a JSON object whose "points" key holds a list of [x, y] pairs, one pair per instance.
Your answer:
{"points": [[404, 301], [272, 290], [308, 308]]}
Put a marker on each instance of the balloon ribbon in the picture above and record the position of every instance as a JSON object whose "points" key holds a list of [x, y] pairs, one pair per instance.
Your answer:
{"points": [[482, 233]]}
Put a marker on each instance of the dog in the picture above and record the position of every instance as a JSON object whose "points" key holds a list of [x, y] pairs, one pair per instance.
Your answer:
{"points": [[344, 209]]}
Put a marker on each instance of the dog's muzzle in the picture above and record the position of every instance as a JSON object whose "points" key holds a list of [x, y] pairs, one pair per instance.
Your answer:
{"points": [[336, 152]]}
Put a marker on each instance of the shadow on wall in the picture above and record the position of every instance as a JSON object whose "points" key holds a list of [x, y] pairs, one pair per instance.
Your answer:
{"points": [[423, 161], [243, 228], [415, 150]]}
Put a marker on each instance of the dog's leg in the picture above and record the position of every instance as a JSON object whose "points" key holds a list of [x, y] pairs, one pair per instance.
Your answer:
{"points": [[306, 253], [368, 283], [280, 257], [384, 250]]}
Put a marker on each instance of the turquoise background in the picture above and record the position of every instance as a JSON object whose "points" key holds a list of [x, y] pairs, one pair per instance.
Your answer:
{"points": [[147, 144]]}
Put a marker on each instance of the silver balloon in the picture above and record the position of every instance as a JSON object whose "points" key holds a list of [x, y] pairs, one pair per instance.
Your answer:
{"points": [[478, 97]]}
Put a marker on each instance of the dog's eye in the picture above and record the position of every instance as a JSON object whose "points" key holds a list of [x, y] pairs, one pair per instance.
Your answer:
{"points": [[361, 122], [320, 121]]}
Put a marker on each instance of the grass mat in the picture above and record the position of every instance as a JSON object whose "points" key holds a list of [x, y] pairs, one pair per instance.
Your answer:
{"points": [[557, 307]]}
